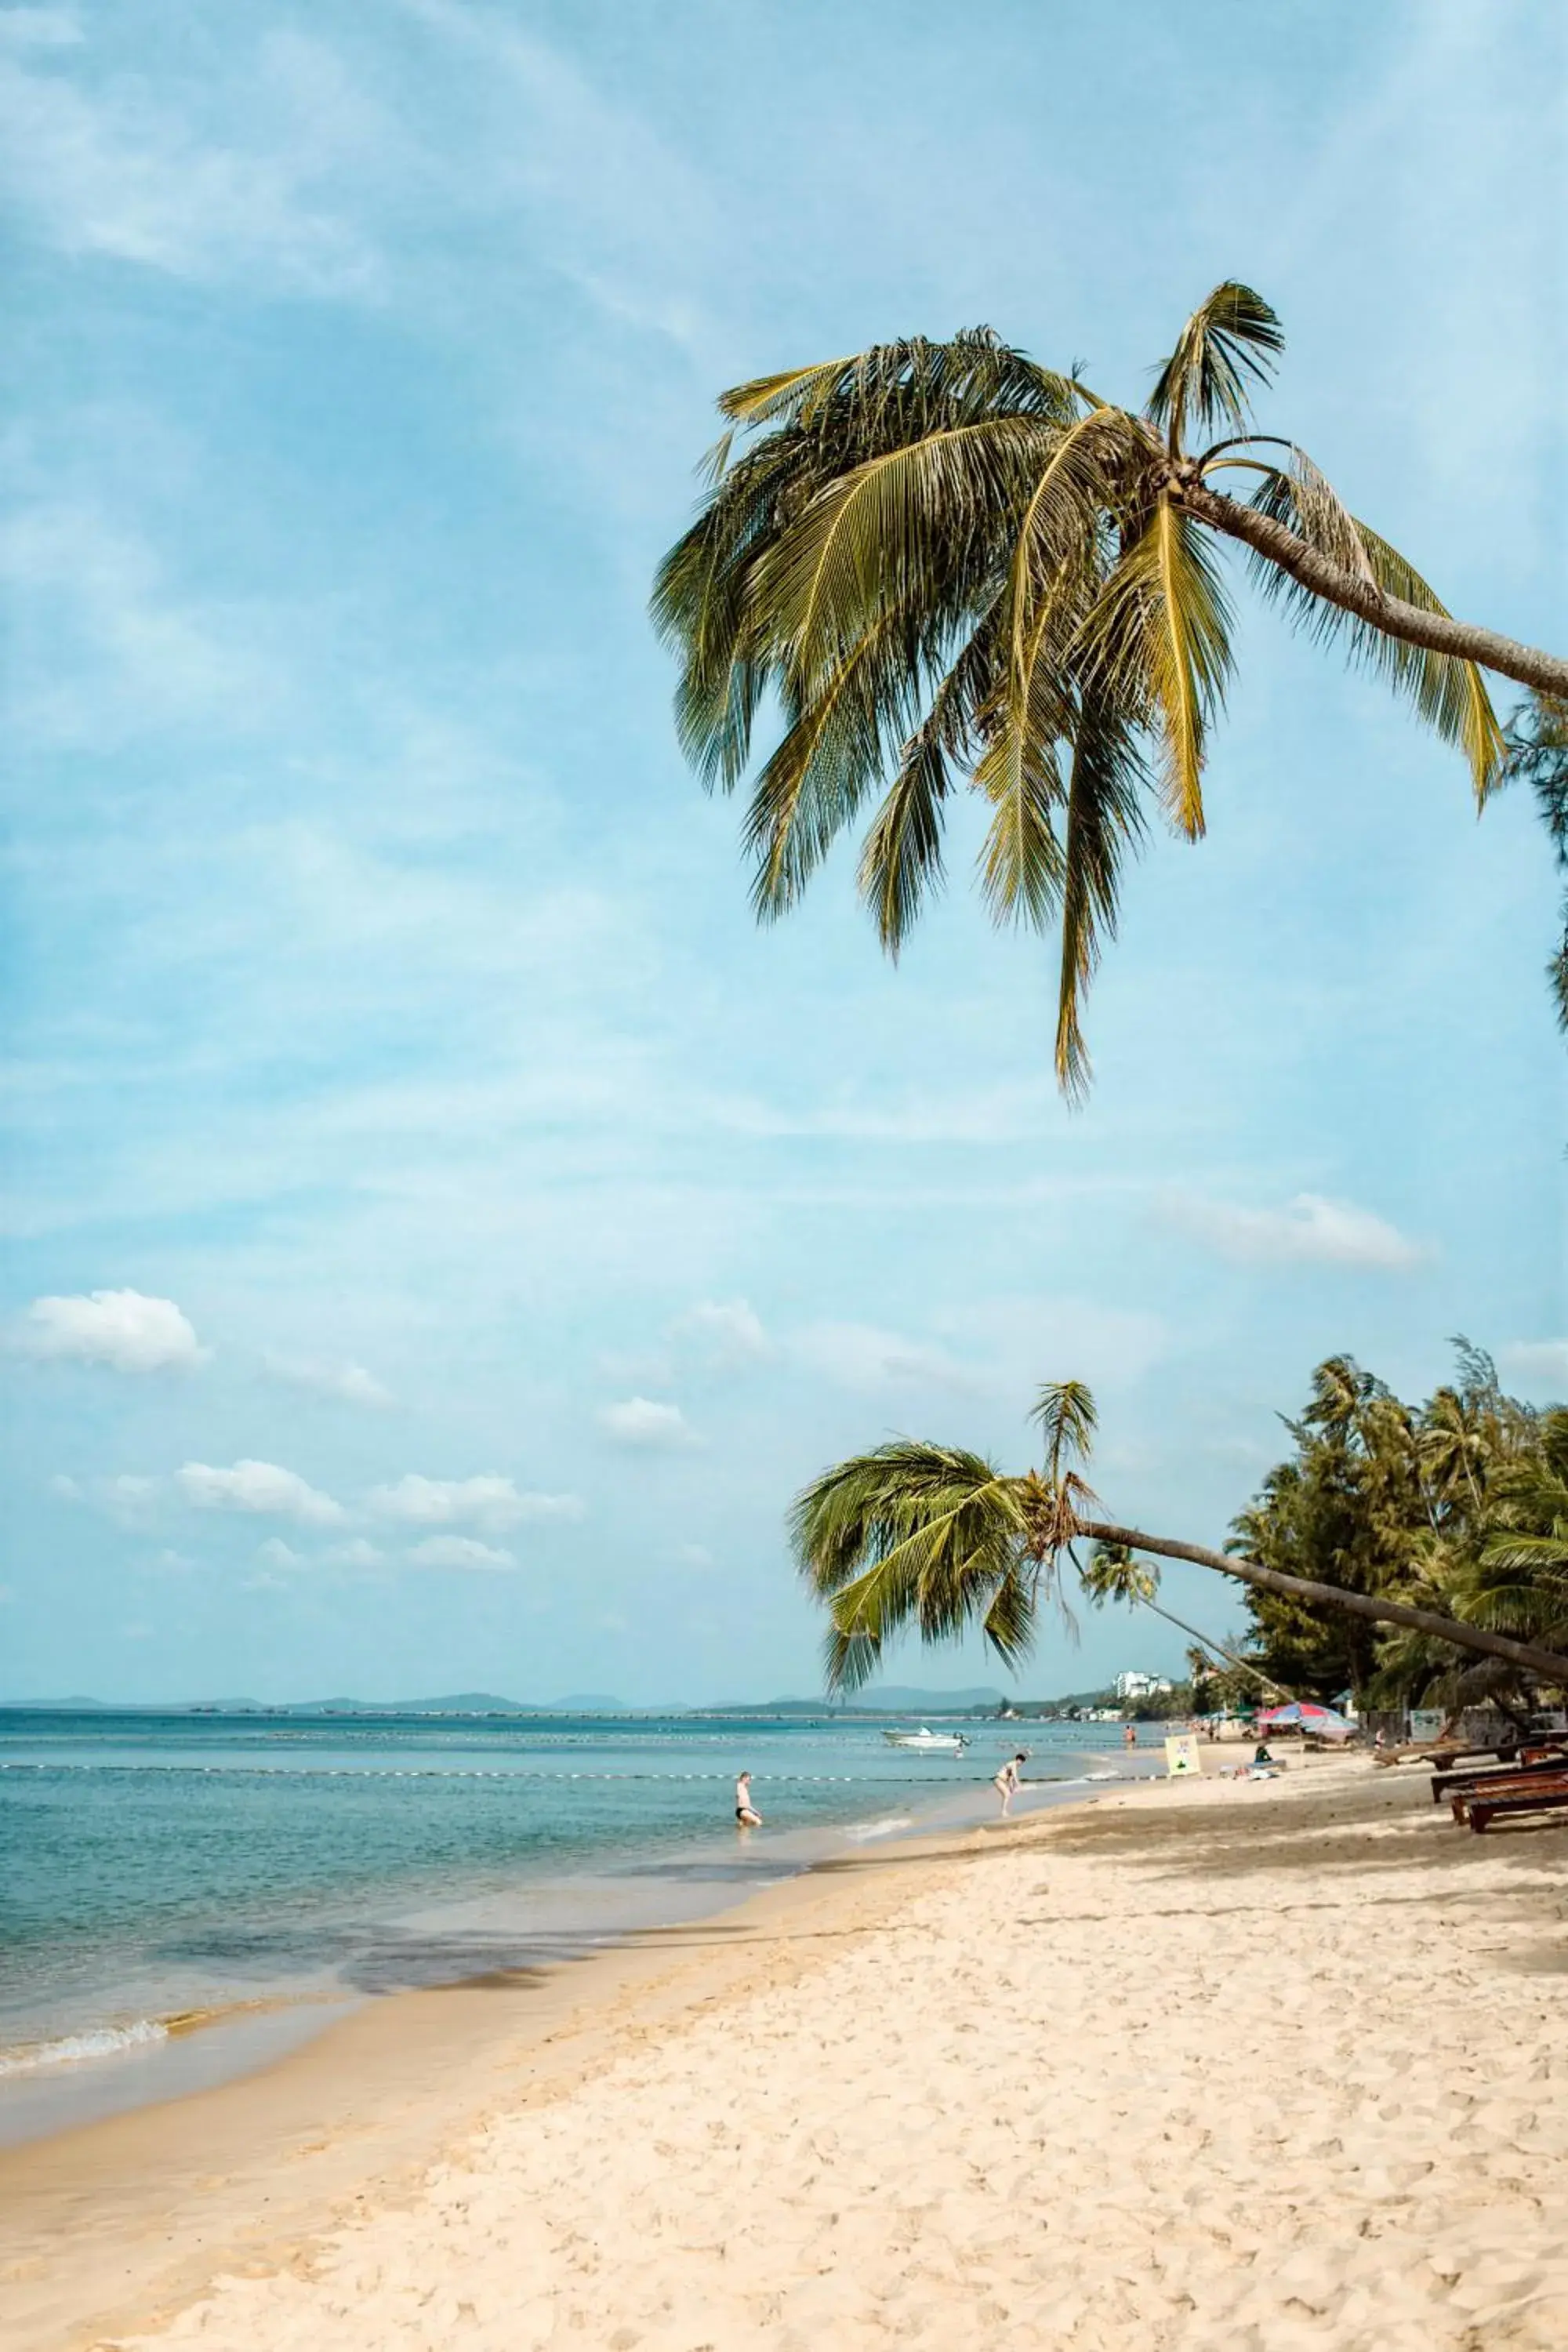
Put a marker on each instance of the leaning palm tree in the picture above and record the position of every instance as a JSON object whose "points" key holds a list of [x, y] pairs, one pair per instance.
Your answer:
{"points": [[943, 562], [1113, 1574], [938, 1539]]}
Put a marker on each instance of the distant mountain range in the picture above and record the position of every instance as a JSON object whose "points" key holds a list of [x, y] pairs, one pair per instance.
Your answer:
{"points": [[894, 1699]]}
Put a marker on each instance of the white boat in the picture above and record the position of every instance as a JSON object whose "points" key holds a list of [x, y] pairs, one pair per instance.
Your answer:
{"points": [[928, 1743]]}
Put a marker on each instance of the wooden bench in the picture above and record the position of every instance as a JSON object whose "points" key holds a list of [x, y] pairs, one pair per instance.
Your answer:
{"points": [[1546, 1797], [1532, 1759], [1504, 1784], [1443, 1759]]}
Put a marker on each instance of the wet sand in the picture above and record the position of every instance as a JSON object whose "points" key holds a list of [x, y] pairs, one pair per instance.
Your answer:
{"points": [[1210, 2064]]}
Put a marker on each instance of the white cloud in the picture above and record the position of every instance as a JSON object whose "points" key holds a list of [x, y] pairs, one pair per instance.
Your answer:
{"points": [[1536, 1363], [355, 1553], [491, 1504], [1309, 1231], [459, 1551], [260, 1487], [1023, 1340], [640, 1421], [351, 1382], [727, 1332], [169, 1562], [859, 1356], [119, 1328], [276, 1553], [130, 1499], [129, 170]]}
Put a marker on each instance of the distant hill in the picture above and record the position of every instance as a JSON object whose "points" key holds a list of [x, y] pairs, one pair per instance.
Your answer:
{"points": [[892, 1699], [895, 1698]]}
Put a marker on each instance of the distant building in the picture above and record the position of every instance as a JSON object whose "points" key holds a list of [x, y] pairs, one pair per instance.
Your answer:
{"points": [[1141, 1686]]}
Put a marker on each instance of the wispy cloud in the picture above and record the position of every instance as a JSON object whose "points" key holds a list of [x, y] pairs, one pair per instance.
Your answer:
{"points": [[491, 1504], [644, 1422], [263, 1487], [1538, 1364], [860, 1356], [725, 1333], [350, 1384], [122, 1331], [357, 1551], [39, 28], [130, 1501], [1310, 1230], [128, 169], [459, 1552]]}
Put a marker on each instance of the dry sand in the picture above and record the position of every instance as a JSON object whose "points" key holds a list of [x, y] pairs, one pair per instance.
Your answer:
{"points": [[1217, 2065]]}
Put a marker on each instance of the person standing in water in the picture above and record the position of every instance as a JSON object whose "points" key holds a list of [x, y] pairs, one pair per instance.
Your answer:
{"points": [[746, 1815], [1007, 1781]]}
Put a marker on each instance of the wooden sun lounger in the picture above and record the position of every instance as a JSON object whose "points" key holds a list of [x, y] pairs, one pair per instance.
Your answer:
{"points": [[1532, 1759], [1498, 1785], [1443, 1759], [1547, 1797]]}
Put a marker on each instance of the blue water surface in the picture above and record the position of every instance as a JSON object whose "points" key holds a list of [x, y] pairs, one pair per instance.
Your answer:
{"points": [[153, 1865]]}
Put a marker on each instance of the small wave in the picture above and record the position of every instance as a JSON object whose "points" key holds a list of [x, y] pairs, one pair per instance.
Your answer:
{"points": [[861, 1833], [72, 2048]]}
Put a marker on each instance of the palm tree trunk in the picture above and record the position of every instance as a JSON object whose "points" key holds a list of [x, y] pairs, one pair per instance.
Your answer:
{"points": [[1545, 1664], [1318, 573], [1207, 1641]]}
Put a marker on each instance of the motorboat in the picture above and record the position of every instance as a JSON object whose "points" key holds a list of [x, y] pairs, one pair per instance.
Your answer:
{"points": [[925, 1742]]}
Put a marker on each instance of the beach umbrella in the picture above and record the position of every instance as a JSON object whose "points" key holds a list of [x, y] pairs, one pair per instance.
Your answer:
{"points": [[1309, 1715]]}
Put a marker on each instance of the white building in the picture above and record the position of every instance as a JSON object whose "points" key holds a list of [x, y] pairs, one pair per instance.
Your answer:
{"points": [[1141, 1686]]}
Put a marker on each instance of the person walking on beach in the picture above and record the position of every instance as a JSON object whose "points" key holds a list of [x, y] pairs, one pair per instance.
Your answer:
{"points": [[1007, 1781], [746, 1815]]}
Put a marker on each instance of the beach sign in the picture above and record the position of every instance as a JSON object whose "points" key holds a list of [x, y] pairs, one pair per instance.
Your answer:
{"points": [[1181, 1755]]}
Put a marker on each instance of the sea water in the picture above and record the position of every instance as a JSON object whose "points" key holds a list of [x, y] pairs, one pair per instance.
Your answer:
{"points": [[181, 1894]]}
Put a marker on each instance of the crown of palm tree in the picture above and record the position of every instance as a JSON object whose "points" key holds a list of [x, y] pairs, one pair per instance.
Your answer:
{"points": [[937, 1540], [943, 563]]}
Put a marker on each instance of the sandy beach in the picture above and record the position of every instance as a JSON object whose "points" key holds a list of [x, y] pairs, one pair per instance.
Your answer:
{"points": [[1210, 2064]]}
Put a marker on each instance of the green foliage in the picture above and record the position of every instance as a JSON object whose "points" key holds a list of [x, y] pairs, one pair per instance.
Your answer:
{"points": [[1458, 1505], [1537, 754], [941, 566]]}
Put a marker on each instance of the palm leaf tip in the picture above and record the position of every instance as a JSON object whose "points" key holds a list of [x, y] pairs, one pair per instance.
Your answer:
{"points": [[1227, 346]]}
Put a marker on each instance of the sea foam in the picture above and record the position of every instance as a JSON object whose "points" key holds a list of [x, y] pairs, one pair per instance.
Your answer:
{"points": [[72, 2048]]}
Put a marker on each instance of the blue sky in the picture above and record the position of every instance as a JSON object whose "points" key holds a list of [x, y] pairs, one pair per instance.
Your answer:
{"points": [[459, 1230]]}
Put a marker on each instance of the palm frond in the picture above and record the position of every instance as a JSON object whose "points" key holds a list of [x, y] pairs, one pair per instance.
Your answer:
{"points": [[1160, 642], [1068, 1417], [901, 858], [1114, 1573], [1450, 695], [1227, 345], [811, 787], [1021, 856], [910, 1535], [786, 391], [1104, 821], [919, 518]]}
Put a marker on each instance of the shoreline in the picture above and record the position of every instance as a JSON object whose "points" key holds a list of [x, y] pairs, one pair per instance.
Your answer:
{"points": [[362, 2108], [1278, 2064], [127, 2059]]}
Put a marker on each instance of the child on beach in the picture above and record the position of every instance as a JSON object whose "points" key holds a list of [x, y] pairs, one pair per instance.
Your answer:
{"points": [[746, 1815], [1007, 1781]]}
